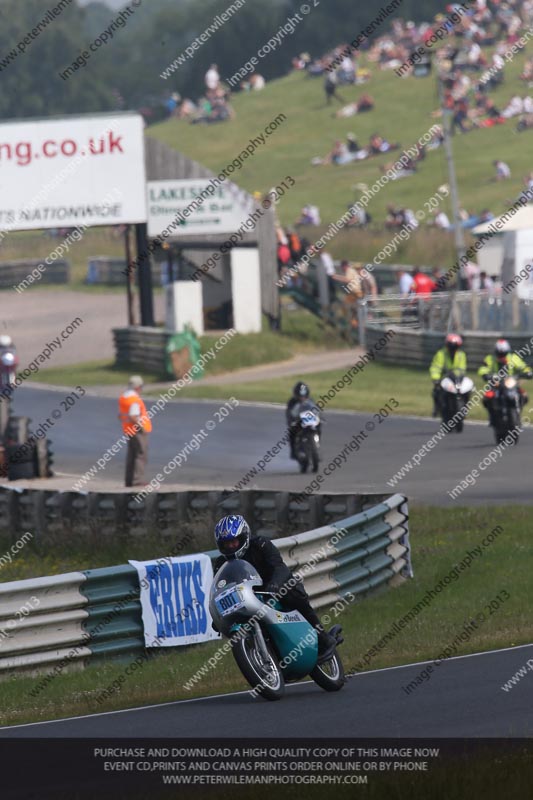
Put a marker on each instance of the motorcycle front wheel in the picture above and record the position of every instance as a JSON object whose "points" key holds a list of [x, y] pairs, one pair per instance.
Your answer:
{"points": [[314, 454], [514, 424], [329, 675], [504, 429], [264, 677]]}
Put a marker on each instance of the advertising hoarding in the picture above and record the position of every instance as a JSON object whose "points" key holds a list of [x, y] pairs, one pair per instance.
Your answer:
{"points": [[167, 200], [59, 173]]}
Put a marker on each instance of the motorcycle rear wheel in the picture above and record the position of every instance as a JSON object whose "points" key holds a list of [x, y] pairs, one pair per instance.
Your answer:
{"points": [[266, 680], [329, 675]]}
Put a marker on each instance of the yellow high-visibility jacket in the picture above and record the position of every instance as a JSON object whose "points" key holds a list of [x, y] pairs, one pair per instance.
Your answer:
{"points": [[515, 365], [443, 363]]}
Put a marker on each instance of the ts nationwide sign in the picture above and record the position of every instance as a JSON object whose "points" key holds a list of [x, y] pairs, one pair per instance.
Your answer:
{"points": [[172, 206], [73, 171], [175, 600]]}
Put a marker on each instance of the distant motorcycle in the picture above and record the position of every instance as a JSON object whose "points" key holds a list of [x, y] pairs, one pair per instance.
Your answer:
{"points": [[455, 390], [8, 366], [507, 399], [307, 437], [270, 645]]}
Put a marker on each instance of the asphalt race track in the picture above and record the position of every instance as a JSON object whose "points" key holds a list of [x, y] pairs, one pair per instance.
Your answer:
{"points": [[83, 433], [463, 698]]}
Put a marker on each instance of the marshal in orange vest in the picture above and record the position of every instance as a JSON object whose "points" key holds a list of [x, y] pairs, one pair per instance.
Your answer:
{"points": [[125, 402]]}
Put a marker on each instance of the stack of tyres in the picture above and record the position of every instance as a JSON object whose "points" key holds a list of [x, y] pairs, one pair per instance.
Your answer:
{"points": [[20, 459], [43, 458]]}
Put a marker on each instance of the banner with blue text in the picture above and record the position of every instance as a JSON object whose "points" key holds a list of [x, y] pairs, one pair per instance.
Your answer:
{"points": [[175, 600]]}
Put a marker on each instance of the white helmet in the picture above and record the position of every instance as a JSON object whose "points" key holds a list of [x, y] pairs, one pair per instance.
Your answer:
{"points": [[5, 340]]}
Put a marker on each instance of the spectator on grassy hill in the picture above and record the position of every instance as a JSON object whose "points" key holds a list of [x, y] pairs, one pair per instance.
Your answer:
{"points": [[330, 87], [339, 154], [310, 215], [378, 145], [212, 78], [301, 62], [257, 82], [503, 170], [352, 144], [493, 114], [527, 72], [395, 217], [517, 106], [346, 71], [460, 116], [437, 138], [441, 220], [365, 103], [409, 218], [172, 104], [360, 217], [187, 109]]}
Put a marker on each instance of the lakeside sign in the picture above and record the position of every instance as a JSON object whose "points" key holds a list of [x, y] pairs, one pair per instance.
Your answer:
{"points": [[170, 200], [60, 173]]}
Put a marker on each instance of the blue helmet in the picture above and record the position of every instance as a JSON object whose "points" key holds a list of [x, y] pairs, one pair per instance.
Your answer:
{"points": [[232, 535]]}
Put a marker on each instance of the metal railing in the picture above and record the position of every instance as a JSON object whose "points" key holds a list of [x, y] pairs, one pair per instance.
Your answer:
{"points": [[449, 311]]}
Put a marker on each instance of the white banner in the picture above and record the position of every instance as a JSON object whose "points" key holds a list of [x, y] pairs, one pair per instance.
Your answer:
{"points": [[175, 600], [223, 211], [60, 173]]}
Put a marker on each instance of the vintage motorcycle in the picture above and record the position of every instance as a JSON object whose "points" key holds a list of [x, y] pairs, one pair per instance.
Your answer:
{"points": [[271, 646]]}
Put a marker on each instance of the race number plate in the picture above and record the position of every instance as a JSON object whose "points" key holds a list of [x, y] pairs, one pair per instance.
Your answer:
{"points": [[229, 601]]}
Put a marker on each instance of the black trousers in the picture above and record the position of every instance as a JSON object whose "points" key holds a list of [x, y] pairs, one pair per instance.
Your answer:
{"points": [[297, 599]]}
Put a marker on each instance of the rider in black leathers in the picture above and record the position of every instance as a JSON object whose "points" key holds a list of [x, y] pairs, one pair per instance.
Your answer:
{"points": [[300, 394], [262, 554]]}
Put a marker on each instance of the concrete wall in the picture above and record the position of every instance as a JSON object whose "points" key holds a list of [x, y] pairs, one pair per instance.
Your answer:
{"points": [[184, 306], [246, 290]]}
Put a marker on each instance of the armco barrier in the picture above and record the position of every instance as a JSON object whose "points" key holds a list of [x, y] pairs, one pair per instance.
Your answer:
{"points": [[81, 615], [12, 273], [416, 348], [69, 519]]}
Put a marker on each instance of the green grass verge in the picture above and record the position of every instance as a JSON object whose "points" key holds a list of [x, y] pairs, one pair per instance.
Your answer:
{"points": [[439, 539], [370, 389]]}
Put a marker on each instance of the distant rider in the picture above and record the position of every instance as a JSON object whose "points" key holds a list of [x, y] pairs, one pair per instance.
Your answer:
{"points": [[234, 540], [300, 394], [510, 364], [450, 358]]}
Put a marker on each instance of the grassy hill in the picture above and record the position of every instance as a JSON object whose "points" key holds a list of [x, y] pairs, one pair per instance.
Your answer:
{"points": [[402, 113]]}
